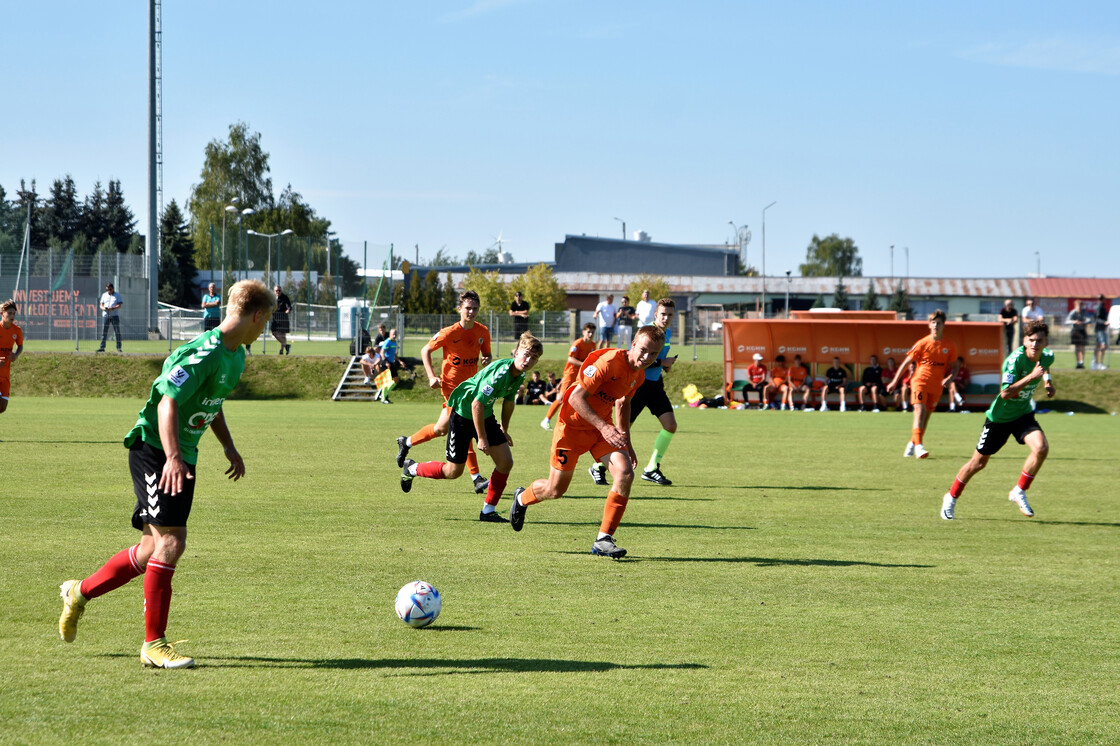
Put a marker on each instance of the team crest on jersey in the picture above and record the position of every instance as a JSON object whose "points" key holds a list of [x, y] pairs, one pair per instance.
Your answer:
{"points": [[178, 376], [1009, 378], [488, 390], [589, 371]]}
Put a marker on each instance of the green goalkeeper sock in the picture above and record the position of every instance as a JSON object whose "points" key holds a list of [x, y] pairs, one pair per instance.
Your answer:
{"points": [[660, 446]]}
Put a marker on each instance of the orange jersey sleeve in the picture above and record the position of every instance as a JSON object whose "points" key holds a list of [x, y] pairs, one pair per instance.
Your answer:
{"points": [[606, 377], [580, 349], [462, 349]]}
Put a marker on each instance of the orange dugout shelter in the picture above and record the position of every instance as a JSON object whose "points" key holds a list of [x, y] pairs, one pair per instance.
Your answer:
{"points": [[854, 341]]}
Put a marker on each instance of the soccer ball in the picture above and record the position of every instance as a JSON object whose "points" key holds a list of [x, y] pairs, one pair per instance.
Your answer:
{"points": [[418, 604]]}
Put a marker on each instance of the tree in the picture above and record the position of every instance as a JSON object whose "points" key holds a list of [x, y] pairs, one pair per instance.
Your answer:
{"points": [[840, 296], [27, 203], [492, 291], [538, 286], [900, 303], [488, 256], [871, 300], [119, 221], [443, 259], [832, 256], [177, 258], [237, 167], [656, 285], [95, 220], [10, 224], [62, 213]]}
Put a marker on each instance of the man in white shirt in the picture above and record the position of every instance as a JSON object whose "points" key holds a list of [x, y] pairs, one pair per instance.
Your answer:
{"points": [[606, 317], [111, 303], [1030, 313], [646, 309]]}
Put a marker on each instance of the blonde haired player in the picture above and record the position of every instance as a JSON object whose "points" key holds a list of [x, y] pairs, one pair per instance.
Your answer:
{"points": [[185, 400], [935, 364]]}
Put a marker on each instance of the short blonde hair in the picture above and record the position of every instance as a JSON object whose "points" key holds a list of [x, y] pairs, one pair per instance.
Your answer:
{"points": [[249, 296], [653, 333], [531, 343]]}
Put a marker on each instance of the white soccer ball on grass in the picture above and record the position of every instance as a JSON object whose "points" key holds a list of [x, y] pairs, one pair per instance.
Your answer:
{"points": [[418, 604]]}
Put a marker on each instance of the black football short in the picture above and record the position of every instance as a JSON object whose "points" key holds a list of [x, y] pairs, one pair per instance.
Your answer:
{"points": [[995, 434], [834, 388], [650, 395], [152, 504], [209, 323], [460, 433], [280, 324]]}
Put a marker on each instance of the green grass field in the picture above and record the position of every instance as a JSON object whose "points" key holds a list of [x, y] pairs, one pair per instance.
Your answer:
{"points": [[795, 585]]}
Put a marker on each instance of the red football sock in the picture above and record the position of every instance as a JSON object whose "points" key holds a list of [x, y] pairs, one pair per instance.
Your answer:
{"points": [[496, 488], [423, 435], [1025, 481], [430, 469], [121, 568], [612, 513], [957, 488], [157, 599]]}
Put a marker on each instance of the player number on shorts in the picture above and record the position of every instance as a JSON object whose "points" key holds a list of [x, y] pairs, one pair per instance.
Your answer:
{"points": [[562, 455]]}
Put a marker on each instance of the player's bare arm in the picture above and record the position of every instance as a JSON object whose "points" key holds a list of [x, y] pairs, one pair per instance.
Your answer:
{"points": [[898, 374], [478, 417], [507, 414], [426, 357], [221, 431], [174, 468], [615, 437]]}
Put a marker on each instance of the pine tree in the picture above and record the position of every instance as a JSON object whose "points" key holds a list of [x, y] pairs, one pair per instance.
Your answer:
{"points": [[177, 258], [900, 303], [95, 219], [62, 213], [120, 222], [840, 296], [871, 300]]}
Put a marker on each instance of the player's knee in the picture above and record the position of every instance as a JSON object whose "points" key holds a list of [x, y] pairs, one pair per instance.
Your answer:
{"points": [[1041, 449], [452, 471]]}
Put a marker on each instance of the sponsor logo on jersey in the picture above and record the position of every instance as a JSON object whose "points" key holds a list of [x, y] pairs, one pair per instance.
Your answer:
{"points": [[201, 420], [178, 376]]}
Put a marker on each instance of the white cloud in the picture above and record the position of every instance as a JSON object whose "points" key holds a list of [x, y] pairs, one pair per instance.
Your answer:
{"points": [[1096, 56]]}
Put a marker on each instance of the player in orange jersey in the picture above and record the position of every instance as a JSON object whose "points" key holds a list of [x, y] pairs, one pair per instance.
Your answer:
{"points": [[605, 384], [935, 364], [779, 375], [799, 380], [466, 350], [577, 353], [11, 347]]}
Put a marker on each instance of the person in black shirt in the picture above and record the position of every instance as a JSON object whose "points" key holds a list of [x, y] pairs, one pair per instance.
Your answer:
{"points": [[551, 388], [835, 379], [625, 316], [534, 389], [281, 324], [519, 310], [871, 382], [1009, 317], [1100, 330]]}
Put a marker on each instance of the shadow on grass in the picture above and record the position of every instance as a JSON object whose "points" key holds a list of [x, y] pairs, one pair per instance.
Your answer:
{"points": [[804, 487], [94, 442], [775, 561], [1101, 524], [441, 666], [1061, 406], [642, 498], [632, 524]]}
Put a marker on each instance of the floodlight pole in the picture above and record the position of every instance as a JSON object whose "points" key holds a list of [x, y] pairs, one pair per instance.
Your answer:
{"points": [[623, 227], [764, 209]]}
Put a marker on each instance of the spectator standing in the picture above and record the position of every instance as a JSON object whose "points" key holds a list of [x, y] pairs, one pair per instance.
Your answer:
{"points": [[1009, 317], [606, 317], [211, 308], [111, 303], [519, 310], [1100, 329], [389, 358], [626, 315], [1078, 321], [645, 310], [280, 320]]}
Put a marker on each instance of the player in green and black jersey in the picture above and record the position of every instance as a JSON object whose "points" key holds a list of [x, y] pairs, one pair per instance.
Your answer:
{"points": [[185, 400], [472, 418], [1011, 414]]}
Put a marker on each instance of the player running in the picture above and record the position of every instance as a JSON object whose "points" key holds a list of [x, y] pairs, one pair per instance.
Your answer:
{"points": [[1011, 414], [466, 348], [603, 391], [577, 353], [472, 418], [935, 364], [11, 347], [185, 400], [652, 395]]}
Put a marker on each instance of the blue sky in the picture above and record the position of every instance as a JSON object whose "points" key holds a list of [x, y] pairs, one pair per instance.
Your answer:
{"points": [[974, 134]]}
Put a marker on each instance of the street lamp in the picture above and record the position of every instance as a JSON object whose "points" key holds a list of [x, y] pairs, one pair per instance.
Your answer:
{"points": [[228, 209], [623, 227], [1037, 265], [789, 281], [268, 260], [764, 209], [742, 238], [892, 266]]}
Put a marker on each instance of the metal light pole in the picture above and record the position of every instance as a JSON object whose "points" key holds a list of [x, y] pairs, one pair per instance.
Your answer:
{"points": [[623, 227], [268, 260], [907, 250], [764, 209], [228, 210], [892, 265], [1037, 265], [789, 281], [742, 238]]}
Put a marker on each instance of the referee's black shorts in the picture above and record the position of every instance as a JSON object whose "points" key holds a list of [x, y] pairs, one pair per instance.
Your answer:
{"points": [[650, 395]]}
